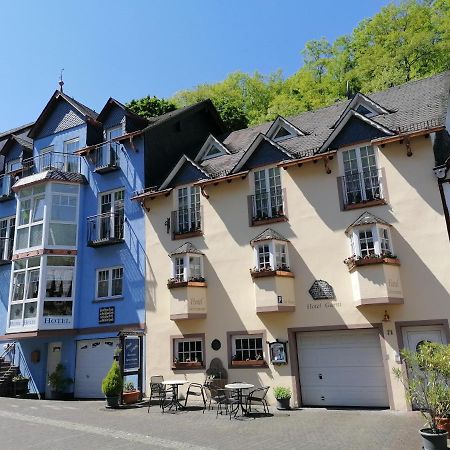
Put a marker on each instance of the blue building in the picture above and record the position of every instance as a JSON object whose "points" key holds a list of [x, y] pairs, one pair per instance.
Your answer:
{"points": [[72, 241]]}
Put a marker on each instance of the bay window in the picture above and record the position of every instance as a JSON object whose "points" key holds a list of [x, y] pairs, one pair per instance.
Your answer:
{"points": [[372, 240], [270, 252], [187, 264]]}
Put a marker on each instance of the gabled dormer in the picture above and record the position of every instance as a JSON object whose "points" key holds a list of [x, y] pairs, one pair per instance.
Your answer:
{"points": [[186, 171], [212, 148], [281, 129]]}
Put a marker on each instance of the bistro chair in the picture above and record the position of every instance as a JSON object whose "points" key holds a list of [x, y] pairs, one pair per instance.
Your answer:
{"points": [[229, 402], [157, 390], [197, 390], [214, 393], [257, 396]]}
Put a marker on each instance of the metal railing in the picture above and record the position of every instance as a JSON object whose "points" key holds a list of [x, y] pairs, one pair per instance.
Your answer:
{"points": [[105, 228], [14, 355], [6, 182], [107, 155], [267, 205], [64, 162], [359, 187], [187, 220]]}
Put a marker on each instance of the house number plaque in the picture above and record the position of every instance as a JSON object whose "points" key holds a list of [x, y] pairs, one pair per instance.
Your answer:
{"points": [[321, 290]]}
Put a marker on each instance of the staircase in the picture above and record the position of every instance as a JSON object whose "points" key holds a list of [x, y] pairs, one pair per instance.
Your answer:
{"points": [[7, 372]]}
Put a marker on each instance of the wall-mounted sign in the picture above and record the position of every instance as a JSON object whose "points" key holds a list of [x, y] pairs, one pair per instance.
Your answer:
{"points": [[107, 314], [131, 354], [321, 290], [278, 354]]}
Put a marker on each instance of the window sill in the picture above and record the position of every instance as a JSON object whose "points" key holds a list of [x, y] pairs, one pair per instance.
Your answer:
{"points": [[187, 234], [180, 284], [271, 273], [188, 366], [366, 204], [257, 363], [369, 261], [268, 220], [108, 299]]}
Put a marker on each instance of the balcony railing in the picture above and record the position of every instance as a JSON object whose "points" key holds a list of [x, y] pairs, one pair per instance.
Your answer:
{"points": [[362, 187], [63, 162], [187, 222], [268, 206], [6, 182], [106, 157], [105, 229], [6, 250]]}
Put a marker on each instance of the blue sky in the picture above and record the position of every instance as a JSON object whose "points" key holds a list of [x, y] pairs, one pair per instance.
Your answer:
{"points": [[128, 49]]}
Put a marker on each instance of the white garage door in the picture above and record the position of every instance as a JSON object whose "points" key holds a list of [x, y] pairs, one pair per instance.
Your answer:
{"points": [[341, 368], [94, 358]]}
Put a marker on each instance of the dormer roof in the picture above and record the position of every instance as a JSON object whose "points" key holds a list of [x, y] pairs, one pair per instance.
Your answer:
{"points": [[267, 235], [186, 248], [366, 218]]}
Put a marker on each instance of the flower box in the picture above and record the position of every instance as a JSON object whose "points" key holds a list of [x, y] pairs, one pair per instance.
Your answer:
{"points": [[352, 263], [131, 397], [271, 273], [173, 284], [249, 363], [188, 365]]}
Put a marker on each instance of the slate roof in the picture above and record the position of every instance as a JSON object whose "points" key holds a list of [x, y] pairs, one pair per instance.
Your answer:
{"points": [[415, 105], [50, 175], [267, 235], [185, 248], [366, 218]]}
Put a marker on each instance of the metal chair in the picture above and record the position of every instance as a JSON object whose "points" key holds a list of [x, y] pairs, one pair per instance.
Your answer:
{"points": [[196, 389], [214, 394], [230, 402], [257, 396], [157, 389]]}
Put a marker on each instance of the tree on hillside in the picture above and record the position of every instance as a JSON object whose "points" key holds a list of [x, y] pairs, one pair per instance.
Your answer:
{"points": [[150, 106]]}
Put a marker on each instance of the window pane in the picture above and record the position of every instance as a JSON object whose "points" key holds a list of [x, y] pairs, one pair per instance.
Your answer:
{"points": [[60, 261], [57, 308], [24, 212], [64, 208], [59, 282], [18, 286], [22, 238], [30, 310], [195, 267], [117, 277], [103, 283], [38, 208], [62, 234], [33, 284], [65, 188], [35, 235]]}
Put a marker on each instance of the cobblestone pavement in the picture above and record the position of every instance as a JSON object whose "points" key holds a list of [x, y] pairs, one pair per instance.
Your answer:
{"points": [[33, 424]]}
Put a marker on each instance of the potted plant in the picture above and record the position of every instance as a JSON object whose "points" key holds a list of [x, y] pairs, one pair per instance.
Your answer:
{"points": [[427, 385], [20, 384], [58, 382], [130, 393], [112, 386], [283, 396]]}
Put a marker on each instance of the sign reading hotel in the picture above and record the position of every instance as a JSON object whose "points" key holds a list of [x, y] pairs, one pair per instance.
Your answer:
{"points": [[132, 354]]}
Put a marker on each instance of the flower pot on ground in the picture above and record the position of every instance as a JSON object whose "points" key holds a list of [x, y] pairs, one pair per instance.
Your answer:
{"points": [[112, 385], [130, 394], [20, 384], [427, 384], [58, 382], [283, 397]]}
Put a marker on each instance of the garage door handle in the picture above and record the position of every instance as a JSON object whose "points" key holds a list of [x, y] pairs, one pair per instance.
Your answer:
{"points": [[320, 376]]}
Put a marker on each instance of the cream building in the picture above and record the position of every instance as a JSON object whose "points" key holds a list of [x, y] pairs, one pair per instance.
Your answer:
{"points": [[306, 252]]}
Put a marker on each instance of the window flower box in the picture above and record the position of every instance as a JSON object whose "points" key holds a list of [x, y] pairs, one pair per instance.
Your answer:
{"points": [[269, 272], [188, 365], [249, 363], [193, 282], [386, 258]]}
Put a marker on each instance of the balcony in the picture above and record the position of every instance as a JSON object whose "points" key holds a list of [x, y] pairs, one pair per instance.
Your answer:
{"points": [[6, 182], [105, 229], [362, 189], [6, 250], [106, 157], [274, 290], [376, 280], [187, 223], [63, 162], [187, 299], [267, 207]]}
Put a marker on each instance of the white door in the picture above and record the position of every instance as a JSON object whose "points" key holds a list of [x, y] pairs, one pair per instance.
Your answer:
{"points": [[53, 359], [94, 359], [413, 337], [341, 368]]}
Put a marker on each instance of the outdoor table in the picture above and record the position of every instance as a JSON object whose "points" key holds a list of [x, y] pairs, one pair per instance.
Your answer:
{"points": [[239, 387], [174, 400]]}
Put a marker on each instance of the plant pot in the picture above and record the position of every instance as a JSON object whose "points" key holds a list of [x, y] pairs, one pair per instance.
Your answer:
{"points": [[131, 397], [112, 402], [283, 403], [20, 387], [433, 441], [443, 423]]}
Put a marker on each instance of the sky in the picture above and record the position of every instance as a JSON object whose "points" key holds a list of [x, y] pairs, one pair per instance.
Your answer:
{"points": [[132, 48]]}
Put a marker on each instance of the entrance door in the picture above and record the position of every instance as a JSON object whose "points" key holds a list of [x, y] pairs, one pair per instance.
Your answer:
{"points": [[413, 337], [53, 359]]}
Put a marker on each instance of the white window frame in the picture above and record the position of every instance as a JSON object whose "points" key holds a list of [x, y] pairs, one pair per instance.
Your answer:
{"points": [[290, 134], [270, 192], [187, 275], [189, 340], [110, 282], [207, 153], [9, 240], [272, 243], [191, 210], [247, 337], [115, 209], [376, 236]]}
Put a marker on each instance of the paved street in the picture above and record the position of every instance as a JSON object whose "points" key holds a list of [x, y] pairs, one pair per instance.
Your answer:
{"points": [[32, 424]]}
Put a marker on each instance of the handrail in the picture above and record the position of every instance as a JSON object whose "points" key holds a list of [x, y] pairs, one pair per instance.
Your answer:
{"points": [[10, 348], [67, 162]]}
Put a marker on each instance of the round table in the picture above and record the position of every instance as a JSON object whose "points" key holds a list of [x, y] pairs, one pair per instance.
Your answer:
{"points": [[174, 400], [239, 387]]}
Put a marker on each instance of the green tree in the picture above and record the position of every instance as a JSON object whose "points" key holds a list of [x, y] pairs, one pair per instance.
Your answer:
{"points": [[150, 106]]}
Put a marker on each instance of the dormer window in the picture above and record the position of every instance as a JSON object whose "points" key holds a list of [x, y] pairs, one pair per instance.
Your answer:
{"points": [[281, 134], [281, 130], [187, 265], [212, 148], [212, 152], [270, 252], [366, 111]]}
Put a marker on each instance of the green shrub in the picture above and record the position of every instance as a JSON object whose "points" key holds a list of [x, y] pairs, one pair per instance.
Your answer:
{"points": [[281, 392], [57, 379], [129, 387], [112, 384]]}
